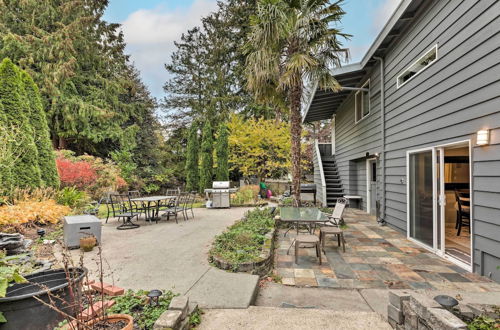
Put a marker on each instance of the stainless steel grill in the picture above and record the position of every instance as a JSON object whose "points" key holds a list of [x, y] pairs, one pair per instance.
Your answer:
{"points": [[219, 194]]}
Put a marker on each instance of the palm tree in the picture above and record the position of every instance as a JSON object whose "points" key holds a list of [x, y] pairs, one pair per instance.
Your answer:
{"points": [[292, 42]]}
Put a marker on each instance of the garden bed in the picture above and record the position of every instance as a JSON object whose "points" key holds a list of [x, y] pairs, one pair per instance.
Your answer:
{"points": [[247, 245]]}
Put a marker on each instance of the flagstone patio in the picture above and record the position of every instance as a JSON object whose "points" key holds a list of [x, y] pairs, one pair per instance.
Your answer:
{"points": [[375, 257]]}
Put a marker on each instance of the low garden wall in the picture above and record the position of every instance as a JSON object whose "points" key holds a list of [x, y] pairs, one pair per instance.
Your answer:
{"points": [[411, 310], [247, 246]]}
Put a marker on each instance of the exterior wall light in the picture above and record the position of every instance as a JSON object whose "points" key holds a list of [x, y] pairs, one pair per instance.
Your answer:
{"points": [[483, 137]]}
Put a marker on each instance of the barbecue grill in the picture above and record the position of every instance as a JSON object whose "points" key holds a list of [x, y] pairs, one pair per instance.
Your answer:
{"points": [[307, 188], [219, 194]]}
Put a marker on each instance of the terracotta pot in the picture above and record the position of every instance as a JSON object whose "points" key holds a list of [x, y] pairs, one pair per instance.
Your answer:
{"points": [[113, 318]]}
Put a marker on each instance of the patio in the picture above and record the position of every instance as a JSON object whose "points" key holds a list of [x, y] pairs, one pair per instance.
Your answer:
{"points": [[376, 257]]}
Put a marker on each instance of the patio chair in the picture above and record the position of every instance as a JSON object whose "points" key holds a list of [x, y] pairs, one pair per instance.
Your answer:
{"points": [[463, 213], [171, 202], [125, 211], [137, 206], [332, 226], [110, 208], [177, 207], [307, 239], [190, 202]]}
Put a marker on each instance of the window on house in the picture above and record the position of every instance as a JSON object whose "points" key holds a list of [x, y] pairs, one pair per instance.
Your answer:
{"points": [[420, 65], [362, 102]]}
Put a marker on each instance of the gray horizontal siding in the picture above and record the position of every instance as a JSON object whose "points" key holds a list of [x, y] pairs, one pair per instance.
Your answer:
{"points": [[449, 101]]}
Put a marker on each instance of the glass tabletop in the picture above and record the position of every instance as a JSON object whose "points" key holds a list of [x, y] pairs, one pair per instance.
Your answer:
{"points": [[302, 214]]}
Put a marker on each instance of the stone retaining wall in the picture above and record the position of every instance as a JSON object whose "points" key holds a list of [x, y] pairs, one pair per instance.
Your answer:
{"points": [[261, 266], [411, 310]]}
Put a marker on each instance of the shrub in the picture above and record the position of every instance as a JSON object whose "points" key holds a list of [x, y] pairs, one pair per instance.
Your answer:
{"points": [[246, 195], [91, 174], [78, 174], [39, 212], [242, 242], [72, 197]]}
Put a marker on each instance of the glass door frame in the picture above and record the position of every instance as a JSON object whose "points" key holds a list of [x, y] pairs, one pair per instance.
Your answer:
{"points": [[434, 199], [439, 202]]}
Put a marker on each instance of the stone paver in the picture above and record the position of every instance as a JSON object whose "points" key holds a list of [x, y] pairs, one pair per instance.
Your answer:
{"points": [[259, 318], [174, 256], [376, 257]]}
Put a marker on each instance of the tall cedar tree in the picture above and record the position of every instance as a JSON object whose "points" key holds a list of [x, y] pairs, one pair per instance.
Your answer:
{"points": [[5, 151], [206, 153], [292, 41], [222, 151], [192, 153], [25, 172], [46, 158], [77, 60]]}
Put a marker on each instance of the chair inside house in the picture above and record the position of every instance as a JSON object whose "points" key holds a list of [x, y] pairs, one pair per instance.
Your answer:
{"points": [[332, 226], [462, 207], [124, 210]]}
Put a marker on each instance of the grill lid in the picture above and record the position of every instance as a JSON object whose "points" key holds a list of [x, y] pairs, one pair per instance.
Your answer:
{"points": [[220, 185]]}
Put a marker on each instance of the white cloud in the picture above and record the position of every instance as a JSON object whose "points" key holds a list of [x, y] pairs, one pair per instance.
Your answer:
{"points": [[150, 36], [383, 13]]}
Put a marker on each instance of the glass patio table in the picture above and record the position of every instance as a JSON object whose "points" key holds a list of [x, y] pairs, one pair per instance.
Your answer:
{"points": [[302, 215], [151, 205]]}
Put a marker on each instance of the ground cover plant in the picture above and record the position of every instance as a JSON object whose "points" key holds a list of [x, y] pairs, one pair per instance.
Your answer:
{"points": [[136, 304], [243, 241]]}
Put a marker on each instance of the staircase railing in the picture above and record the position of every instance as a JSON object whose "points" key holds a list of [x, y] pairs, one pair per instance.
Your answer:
{"points": [[319, 175]]}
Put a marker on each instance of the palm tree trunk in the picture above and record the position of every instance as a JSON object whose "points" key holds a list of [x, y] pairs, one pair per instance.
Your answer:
{"points": [[296, 132]]}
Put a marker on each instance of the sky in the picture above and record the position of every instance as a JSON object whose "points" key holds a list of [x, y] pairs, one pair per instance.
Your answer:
{"points": [[150, 28]]}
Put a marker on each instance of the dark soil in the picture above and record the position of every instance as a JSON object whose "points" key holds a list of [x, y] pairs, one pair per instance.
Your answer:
{"points": [[110, 325]]}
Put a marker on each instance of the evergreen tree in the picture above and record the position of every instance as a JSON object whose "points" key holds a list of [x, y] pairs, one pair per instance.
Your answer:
{"points": [[78, 62], [46, 158], [192, 152], [206, 154], [5, 152], [222, 151], [25, 171]]}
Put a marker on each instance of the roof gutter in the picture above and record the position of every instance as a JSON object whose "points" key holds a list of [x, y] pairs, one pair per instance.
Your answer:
{"points": [[381, 219]]}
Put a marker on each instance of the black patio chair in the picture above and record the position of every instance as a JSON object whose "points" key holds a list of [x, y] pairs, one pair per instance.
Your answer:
{"points": [[177, 207], [189, 204], [124, 210], [137, 206], [463, 212]]}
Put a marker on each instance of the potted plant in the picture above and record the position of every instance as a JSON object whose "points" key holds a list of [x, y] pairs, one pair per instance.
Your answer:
{"points": [[87, 243]]}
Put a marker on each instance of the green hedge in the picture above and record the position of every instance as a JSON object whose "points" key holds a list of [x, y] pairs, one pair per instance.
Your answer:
{"points": [[242, 242]]}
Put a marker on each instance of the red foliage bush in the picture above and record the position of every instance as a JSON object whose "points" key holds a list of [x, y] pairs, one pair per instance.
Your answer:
{"points": [[78, 173]]}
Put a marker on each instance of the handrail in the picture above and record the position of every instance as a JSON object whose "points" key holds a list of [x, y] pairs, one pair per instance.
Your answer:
{"points": [[321, 173]]}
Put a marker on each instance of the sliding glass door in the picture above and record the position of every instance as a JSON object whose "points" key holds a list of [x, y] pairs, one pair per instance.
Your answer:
{"points": [[421, 173]]}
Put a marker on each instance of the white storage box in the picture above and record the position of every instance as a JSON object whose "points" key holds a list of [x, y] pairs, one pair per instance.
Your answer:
{"points": [[77, 226]]}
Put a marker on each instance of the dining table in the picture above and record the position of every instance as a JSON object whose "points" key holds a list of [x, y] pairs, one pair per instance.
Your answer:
{"points": [[151, 205], [309, 216]]}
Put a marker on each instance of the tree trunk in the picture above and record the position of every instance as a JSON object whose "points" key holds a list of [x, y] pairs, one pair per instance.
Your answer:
{"points": [[296, 132]]}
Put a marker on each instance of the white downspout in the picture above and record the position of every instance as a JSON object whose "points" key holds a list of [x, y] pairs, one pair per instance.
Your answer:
{"points": [[381, 219]]}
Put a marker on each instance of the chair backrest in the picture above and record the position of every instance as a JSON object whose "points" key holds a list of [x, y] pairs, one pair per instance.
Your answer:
{"points": [[134, 193], [183, 199], [338, 211], [120, 202], [192, 198]]}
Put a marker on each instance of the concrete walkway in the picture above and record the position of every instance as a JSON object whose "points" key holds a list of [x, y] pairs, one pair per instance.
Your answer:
{"points": [[290, 318], [174, 256]]}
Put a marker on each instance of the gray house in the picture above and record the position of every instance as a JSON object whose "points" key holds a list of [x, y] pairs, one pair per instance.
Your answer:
{"points": [[416, 130]]}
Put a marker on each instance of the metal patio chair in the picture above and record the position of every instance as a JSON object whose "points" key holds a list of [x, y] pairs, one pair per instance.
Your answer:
{"points": [[125, 211], [332, 226]]}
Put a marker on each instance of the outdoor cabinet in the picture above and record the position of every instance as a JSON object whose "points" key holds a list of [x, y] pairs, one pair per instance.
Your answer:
{"points": [[78, 226]]}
